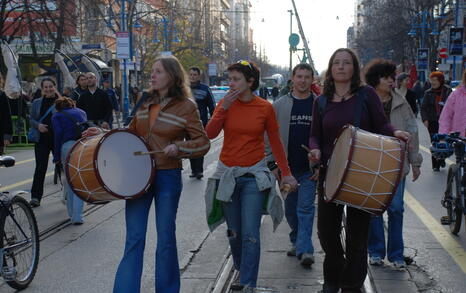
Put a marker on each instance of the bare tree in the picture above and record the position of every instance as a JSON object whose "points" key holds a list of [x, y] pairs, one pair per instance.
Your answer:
{"points": [[386, 25]]}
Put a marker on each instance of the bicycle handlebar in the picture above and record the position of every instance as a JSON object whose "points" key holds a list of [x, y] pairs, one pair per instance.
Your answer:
{"points": [[444, 145]]}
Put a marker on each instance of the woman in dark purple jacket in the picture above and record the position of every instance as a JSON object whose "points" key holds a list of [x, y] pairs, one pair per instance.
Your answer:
{"points": [[65, 135], [346, 102]]}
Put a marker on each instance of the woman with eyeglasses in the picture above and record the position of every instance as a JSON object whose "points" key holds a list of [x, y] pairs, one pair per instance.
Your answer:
{"points": [[244, 183]]}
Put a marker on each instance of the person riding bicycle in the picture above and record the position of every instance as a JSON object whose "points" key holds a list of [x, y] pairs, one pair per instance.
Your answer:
{"points": [[453, 116]]}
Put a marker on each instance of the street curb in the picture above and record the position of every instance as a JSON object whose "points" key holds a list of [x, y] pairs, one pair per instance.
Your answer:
{"points": [[369, 282], [224, 276]]}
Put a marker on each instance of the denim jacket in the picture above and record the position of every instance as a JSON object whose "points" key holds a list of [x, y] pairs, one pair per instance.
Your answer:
{"points": [[221, 185]]}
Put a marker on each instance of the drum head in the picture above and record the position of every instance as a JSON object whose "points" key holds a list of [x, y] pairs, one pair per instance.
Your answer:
{"points": [[121, 172], [338, 162]]}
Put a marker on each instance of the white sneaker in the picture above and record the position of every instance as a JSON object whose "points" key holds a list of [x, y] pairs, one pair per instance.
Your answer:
{"points": [[399, 264], [375, 261]]}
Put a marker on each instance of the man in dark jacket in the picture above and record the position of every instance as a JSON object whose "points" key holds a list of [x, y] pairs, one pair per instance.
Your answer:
{"points": [[206, 105], [6, 126], [113, 99], [81, 87], [96, 103], [432, 105]]}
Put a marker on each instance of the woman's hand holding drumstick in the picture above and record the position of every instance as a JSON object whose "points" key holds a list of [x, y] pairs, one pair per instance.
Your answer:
{"points": [[314, 158]]}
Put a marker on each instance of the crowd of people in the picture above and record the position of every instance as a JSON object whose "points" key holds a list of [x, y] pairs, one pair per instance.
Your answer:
{"points": [[289, 141]]}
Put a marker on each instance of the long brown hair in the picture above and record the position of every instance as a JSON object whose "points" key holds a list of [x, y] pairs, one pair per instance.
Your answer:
{"points": [[179, 82], [329, 83]]}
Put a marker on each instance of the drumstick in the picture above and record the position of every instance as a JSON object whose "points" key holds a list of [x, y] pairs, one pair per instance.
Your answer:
{"points": [[285, 189], [313, 164], [306, 148], [141, 153]]}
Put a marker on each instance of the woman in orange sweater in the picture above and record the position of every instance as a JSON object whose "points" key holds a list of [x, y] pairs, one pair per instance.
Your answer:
{"points": [[245, 118]]}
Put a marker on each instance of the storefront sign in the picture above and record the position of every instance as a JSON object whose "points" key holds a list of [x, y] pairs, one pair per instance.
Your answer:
{"points": [[422, 59], [456, 41]]}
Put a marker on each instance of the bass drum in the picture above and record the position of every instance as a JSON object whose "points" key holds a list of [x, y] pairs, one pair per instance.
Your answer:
{"points": [[103, 168], [364, 170]]}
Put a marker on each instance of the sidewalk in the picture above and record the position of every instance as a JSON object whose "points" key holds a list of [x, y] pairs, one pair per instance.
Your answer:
{"points": [[284, 274]]}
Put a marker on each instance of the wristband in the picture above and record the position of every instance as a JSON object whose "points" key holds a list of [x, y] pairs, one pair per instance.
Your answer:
{"points": [[272, 165]]}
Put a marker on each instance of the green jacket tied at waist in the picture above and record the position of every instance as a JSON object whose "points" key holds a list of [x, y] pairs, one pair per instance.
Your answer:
{"points": [[221, 185]]}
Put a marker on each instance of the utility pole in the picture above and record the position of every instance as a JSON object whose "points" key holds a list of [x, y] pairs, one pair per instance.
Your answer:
{"points": [[124, 28], [291, 31], [455, 66], [303, 37]]}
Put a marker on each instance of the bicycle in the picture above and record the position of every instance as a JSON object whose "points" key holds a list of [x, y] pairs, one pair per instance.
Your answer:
{"points": [[19, 237], [454, 200]]}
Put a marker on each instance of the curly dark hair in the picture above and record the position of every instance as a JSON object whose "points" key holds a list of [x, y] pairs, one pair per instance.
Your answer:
{"points": [[249, 71], [329, 83], [64, 103], [378, 68]]}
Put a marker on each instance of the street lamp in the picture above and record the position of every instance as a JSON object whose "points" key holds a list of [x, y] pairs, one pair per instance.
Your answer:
{"points": [[167, 30], [421, 22]]}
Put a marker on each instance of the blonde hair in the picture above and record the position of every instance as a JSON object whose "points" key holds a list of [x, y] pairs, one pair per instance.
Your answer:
{"points": [[179, 82]]}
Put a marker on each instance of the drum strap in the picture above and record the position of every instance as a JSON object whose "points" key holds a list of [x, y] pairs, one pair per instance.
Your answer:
{"points": [[360, 106], [136, 107]]}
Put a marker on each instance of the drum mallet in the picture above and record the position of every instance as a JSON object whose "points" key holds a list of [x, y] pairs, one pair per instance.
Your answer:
{"points": [[285, 190], [140, 153]]}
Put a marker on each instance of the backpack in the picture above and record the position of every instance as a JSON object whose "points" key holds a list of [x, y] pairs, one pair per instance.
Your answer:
{"points": [[79, 127], [360, 108]]}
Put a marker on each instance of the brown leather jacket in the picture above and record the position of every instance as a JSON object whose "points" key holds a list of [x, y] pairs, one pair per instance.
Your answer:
{"points": [[178, 123]]}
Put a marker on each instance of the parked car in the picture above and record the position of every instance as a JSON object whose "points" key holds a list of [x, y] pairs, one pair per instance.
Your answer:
{"points": [[219, 92]]}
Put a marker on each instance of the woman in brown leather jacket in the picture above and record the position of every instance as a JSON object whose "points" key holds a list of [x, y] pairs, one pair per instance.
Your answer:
{"points": [[164, 120]]}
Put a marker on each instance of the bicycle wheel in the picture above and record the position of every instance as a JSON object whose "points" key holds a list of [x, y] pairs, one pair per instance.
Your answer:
{"points": [[20, 240], [457, 209]]}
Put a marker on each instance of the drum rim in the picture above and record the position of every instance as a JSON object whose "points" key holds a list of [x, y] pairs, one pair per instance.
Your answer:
{"points": [[99, 178], [350, 157]]}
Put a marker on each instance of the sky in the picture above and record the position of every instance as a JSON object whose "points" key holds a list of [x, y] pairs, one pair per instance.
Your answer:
{"points": [[324, 22]]}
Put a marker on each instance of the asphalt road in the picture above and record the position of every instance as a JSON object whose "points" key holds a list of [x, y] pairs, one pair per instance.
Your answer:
{"points": [[84, 258]]}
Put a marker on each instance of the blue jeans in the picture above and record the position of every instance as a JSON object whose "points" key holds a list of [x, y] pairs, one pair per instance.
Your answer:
{"points": [[166, 191], [74, 204], [243, 215], [376, 242], [299, 213]]}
